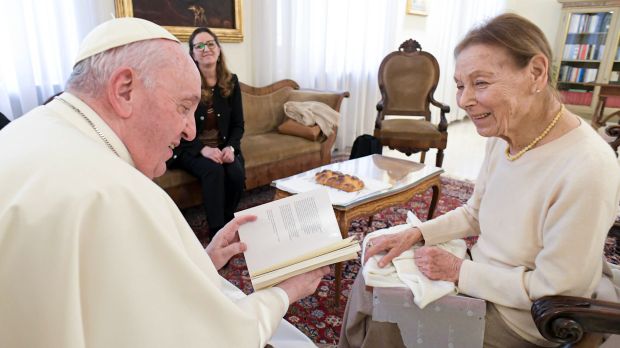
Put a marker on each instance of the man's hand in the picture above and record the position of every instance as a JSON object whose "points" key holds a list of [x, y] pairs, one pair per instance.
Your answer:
{"points": [[212, 153], [395, 244], [228, 155], [226, 242], [438, 264], [303, 285]]}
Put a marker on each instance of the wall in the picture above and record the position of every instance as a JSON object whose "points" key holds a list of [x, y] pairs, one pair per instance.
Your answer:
{"points": [[238, 55], [545, 13]]}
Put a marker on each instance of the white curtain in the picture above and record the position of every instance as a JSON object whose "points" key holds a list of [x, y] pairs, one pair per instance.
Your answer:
{"points": [[327, 45], [448, 22], [39, 38]]}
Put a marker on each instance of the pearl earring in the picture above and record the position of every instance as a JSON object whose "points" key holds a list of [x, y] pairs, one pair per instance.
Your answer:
{"points": [[537, 90]]}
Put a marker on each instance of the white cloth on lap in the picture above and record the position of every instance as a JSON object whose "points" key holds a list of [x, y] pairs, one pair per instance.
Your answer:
{"points": [[310, 113], [403, 272]]}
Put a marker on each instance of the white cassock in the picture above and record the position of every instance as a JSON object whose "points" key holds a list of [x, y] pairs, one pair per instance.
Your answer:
{"points": [[94, 254]]}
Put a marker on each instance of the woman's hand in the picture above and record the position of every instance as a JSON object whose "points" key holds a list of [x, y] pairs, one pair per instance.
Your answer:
{"points": [[228, 155], [225, 244], [395, 244], [438, 264], [212, 153]]}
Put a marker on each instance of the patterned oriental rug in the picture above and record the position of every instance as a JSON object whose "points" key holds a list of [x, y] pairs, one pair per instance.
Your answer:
{"points": [[315, 315]]}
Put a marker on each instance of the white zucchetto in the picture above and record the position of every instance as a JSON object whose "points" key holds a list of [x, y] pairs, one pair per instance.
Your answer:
{"points": [[119, 32]]}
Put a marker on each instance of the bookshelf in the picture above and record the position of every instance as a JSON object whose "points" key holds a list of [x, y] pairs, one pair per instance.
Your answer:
{"points": [[587, 53]]}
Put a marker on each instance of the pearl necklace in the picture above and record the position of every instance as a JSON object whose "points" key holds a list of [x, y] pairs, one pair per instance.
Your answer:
{"points": [[92, 125], [538, 138]]}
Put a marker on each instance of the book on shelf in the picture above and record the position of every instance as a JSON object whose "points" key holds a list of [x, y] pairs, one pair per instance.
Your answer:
{"points": [[293, 235], [589, 23], [576, 97], [577, 75]]}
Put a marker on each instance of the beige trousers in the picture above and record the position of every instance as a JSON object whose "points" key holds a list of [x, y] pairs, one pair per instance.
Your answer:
{"points": [[359, 330]]}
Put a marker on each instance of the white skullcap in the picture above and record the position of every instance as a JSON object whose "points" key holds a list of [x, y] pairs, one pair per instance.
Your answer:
{"points": [[119, 32]]}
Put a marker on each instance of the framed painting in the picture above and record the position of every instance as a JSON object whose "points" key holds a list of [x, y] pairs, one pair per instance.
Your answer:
{"points": [[181, 17], [417, 7]]}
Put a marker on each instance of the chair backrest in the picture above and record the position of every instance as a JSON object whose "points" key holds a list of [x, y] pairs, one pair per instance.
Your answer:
{"points": [[407, 80]]}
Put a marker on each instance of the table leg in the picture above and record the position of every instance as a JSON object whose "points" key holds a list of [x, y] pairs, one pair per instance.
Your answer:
{"points": [[434, 199], [338, 280], [343, 224], [597, 118]]}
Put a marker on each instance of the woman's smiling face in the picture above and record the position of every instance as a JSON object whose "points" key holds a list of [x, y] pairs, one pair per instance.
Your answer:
{"points": [[494, 92]]}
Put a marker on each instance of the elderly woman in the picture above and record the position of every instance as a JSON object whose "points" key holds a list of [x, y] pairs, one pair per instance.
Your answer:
{"points": [[214, 156], [544, 200]]}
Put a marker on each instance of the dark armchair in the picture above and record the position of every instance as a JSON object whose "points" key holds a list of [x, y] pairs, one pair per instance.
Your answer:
{"points": [[407, 80], [3, 120]]}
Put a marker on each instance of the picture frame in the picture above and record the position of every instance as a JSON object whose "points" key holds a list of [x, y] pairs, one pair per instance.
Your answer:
{"points": [[417, 7], [181, 17]]}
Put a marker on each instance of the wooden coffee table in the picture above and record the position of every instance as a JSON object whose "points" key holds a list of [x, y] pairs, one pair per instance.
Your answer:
{"points": [[405, 178]]}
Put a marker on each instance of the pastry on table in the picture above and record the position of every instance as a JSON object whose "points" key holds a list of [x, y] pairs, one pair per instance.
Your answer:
{"points": [[338, 180]]}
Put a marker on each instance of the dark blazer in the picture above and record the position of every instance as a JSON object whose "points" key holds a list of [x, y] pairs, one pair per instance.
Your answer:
{"points": [[229, 112]]}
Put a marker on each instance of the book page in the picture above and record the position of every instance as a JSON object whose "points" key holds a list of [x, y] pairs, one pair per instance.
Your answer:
{"points": [[287, 228]]}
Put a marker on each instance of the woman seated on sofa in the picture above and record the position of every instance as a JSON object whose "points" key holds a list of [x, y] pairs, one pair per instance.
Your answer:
{"points": [[214, 156], [540, 219]]}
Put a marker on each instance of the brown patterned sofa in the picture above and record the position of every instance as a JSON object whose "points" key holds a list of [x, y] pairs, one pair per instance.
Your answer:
{"points": [[268, 154]]}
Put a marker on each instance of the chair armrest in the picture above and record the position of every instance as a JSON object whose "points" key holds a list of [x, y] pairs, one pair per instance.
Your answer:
{"points": [[380, 114], [443, 123], [326, 147], [565, 319]]}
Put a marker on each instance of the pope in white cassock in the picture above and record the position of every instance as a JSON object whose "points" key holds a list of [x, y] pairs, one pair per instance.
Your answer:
{"points": [[92, 252]]}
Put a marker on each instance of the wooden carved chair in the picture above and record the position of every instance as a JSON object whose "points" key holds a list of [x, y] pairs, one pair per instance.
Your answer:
{"points": [[614, 132], [407, 80], [575, 321]]}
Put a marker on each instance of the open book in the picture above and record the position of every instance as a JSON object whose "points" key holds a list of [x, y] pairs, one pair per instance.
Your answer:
{"points": [[291, 236]]}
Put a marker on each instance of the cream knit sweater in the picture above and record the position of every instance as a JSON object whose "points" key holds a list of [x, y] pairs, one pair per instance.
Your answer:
{"points": [[542, 222]]}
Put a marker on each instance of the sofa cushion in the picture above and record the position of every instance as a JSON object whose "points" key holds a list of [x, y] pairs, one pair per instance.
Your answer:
{"points": [[292, 127], [263, 113], [174, 177], [272, 147]]}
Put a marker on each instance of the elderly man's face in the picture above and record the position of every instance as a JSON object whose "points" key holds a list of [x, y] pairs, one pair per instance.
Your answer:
{"points": [[165, 112], [493, 91]]}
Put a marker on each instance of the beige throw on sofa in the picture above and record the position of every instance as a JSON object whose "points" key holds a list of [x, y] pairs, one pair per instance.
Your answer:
{"points": [[310, 113]]}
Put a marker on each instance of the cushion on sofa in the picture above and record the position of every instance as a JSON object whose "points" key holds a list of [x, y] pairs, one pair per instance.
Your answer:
{"points": [[292, 127], [272, 147], [263, 113]]}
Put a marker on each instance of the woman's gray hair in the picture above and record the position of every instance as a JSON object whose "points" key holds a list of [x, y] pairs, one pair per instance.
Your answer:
{"points": [[90, 75]]}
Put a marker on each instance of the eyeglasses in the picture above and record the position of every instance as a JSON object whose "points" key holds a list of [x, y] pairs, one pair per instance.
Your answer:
{"points": [[201, 45]]}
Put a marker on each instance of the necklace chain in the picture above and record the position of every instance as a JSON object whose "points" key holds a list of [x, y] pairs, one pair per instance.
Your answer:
{"points": [[92, 125], [538, 138]]}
